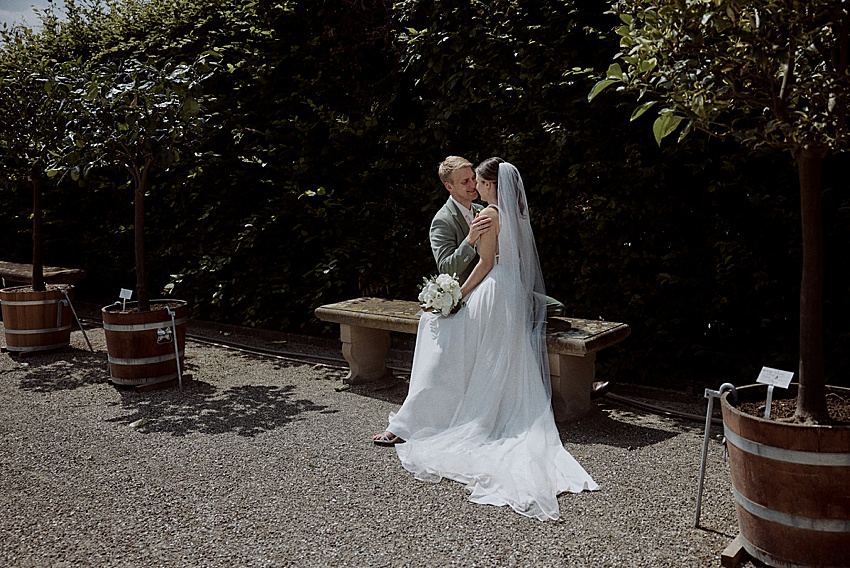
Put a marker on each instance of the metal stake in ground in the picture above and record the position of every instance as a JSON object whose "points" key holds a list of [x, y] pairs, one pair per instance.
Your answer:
{"points": [[79, 323], [172, 313], [710, 395]]}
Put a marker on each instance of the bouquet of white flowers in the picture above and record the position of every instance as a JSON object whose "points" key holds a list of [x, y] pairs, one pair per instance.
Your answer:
{"points": [[441, 294]]}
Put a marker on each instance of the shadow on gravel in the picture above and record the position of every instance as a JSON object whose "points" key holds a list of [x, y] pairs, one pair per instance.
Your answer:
{"points": [[64, 370], [597, 428], [202, 408], [600, 428], [280, 362], [392, 389], [276, 362]]}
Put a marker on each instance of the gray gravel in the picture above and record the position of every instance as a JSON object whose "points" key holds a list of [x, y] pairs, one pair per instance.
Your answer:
{"points": [[263, 462]]}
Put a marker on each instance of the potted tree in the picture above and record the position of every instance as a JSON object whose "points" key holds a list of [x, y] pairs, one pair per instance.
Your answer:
{"points": [[143, 117], [36, 317], [767, 74]]}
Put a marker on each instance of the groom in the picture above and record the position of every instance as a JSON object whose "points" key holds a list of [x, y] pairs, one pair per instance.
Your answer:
{"points": [[456, 228]]}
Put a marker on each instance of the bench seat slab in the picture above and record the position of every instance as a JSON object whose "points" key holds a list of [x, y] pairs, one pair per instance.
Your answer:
{"points": [[15, 272], [392, 315], [366, 323]]}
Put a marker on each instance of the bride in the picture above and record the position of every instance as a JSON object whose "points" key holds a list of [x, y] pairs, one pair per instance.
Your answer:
{"points": [[478, 409]]}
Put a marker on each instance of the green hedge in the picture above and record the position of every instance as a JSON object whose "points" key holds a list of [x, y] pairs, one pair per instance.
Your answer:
{"points": [[316, 180]]}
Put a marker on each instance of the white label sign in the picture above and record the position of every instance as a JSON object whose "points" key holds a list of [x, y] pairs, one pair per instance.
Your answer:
{"points": [[775, 377], [125, 294]]}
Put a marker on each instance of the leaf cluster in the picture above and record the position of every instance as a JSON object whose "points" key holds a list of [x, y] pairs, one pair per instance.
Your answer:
{"points": [[130, 113], [33, 100], [767, 73]]}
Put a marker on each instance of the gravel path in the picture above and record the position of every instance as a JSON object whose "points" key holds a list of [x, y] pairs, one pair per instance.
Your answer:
{"points": [[263, 462]]}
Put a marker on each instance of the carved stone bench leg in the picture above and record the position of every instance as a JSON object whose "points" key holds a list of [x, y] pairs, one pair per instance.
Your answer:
{"points": [[572, 380], [366, 350]]}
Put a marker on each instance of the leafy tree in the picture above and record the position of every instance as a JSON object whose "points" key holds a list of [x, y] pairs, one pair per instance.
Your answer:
{"points": [[32, 100], [136, 115], [769, 74]]}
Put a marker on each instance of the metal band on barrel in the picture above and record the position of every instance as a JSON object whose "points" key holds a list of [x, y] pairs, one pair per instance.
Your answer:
{"points": [[143, 360], [37, 331], [141, 326], [32, 302], [35, 348], [790, 456], [796, 521]]}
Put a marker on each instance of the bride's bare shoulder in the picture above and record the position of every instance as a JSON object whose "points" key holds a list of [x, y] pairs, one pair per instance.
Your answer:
{"points": [[491, 211]]}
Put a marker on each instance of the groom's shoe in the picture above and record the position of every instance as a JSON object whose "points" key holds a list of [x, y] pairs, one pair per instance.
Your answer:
{"points": [[555, 323], [599, 389], [557, 310]]}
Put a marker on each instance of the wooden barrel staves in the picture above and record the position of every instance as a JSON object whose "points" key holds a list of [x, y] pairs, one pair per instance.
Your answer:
{"points": [[37, 321], [791, 485], [140, 345]]}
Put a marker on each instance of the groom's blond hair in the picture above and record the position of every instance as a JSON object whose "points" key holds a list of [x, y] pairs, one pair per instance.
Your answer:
{"points": [[449, 165]]}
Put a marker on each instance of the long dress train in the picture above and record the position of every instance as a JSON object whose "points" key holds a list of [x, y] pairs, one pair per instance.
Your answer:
{"points": [[478, 411]]}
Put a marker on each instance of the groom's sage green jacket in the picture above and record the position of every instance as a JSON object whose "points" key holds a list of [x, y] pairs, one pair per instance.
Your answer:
{"points": [[448, 241], [455, 256]]}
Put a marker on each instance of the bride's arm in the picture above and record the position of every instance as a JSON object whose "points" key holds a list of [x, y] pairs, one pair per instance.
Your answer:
{"points": [[486, 252]]}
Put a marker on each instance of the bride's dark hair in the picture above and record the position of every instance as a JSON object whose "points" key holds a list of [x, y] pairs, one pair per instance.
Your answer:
{"points": [[489, 170]]}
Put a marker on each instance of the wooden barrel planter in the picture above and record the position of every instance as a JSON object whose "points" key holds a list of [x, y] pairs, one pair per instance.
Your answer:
{"points": [[140, 345], [791, 484], [37, 321]]}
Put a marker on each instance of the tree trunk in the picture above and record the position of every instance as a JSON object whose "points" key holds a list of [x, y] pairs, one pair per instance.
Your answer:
{"points": [[811, 399], [37, 265], [139, 236]]}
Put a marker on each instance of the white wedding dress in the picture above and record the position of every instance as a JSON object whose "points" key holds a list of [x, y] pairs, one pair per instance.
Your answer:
{"points": [[479, 410]]}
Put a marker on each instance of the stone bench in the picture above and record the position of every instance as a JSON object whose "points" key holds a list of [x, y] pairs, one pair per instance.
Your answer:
{"points": [[365, 325], [22, 273]]}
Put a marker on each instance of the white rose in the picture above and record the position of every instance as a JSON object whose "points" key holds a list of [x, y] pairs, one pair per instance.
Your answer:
{"points": [[448, 302], [444, 281], [456, 292]]}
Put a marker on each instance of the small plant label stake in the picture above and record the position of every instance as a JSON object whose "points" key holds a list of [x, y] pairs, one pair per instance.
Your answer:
{"points": [[773, 378], [125, 295]]}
